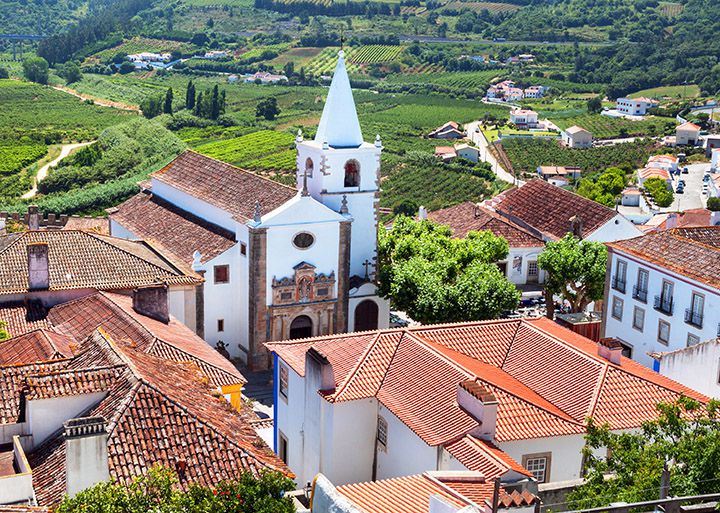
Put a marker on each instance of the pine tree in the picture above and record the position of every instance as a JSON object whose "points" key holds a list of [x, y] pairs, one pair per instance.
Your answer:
{"points": [[190, 96], [222, 101], [167, 106]]}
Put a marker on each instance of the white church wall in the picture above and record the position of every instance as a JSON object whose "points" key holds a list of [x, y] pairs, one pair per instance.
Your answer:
{"points": [[368, 292], [193, 205]]}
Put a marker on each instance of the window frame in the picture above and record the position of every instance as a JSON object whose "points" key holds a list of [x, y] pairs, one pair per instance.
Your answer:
{"points": [[617, 301], [216, 268], [662, 323], [243, 249], [640, 328], [221, 325], [382, 427], [547, 456], [694, 337], [283, 447], [284, 392], [356, 174]]}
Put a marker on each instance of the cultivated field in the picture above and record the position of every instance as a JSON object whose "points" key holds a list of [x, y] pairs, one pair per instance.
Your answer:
{"points": [[606, 127]]}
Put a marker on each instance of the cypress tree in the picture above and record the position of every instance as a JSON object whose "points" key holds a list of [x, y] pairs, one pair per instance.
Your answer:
{"points": [[190, 96], [167, 106]]}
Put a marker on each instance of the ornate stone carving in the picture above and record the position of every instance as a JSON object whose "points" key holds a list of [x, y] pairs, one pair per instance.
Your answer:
{"points": [[305, 286]]}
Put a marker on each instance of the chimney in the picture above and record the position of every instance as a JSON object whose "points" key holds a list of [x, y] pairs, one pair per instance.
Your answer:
{"points": [[86, 455], [152, 301], [318, 365], [610, 349], [714, 218], [33, 218], [671, 221], [422, 213], [480, 404], [38, 266]]}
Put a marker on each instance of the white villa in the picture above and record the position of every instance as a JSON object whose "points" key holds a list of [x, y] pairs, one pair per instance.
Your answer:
{"points": [[635, 106]]}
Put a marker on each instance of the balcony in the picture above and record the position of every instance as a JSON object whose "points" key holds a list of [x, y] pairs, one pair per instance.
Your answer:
{"points": [[618, 284], [694, 318], [664, 305], [639, 294]]}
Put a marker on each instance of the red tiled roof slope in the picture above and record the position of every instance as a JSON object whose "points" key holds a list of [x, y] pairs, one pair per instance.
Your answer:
{"points": [[468, 216], [223, 185], [40, 345]]}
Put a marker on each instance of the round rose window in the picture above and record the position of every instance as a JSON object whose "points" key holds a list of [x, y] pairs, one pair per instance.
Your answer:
{"points": [[303, 240]]}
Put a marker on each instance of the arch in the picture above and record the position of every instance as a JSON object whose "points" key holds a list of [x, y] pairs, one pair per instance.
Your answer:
{"points": [[301, 327], [352, 173], [309, 166], [366, 316]]}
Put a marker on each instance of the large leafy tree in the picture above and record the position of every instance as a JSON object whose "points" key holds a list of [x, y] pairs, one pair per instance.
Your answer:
{"points": [[575, 271], [35, 69], [436, 278], [685, 439], [158, 492]]}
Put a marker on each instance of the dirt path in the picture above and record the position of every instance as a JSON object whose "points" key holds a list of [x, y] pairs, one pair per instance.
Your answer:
{"points": [[43, 171], [97, 101]]}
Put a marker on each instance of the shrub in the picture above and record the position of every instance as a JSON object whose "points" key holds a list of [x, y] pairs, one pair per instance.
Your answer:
{"points": [[713, 204], [658, 189]]}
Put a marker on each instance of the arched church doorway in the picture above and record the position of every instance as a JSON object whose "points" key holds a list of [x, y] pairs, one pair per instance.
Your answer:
{"points": [[366, 316], [301, 327]]}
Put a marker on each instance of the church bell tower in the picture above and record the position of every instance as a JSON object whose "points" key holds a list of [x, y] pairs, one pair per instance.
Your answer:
{"points": [[342, 171]]}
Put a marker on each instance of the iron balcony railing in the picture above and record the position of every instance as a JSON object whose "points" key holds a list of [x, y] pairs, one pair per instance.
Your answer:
{"points": [[694, 318], [618, 283], [640, 294], [664, 304]]}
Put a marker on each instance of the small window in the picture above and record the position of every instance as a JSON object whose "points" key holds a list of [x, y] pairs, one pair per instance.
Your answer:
{"points": [[309, 167], [284, 381], [283, 447], [663, 332], [538, 465], [221, 325], [303, 240], [639, 319], [352, 173], [382, 434], [617, 308], [243, 249], [222, 273], [692, 339]]}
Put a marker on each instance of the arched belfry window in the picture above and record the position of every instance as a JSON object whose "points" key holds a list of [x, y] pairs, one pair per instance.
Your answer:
{"points": [[309, 167], [352, 173]]}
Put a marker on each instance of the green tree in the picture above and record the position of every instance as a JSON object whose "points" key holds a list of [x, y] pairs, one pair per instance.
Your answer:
{"points": [[713, 204], [35, 69], [70, 71], [151, 106], [437, 278], [4, 73], [268, 109], [126, 67], [594, 105], [158, 491], [4, 333], [190, 96], [167, 104], [659, 190], [575, 271], [686, 435]]}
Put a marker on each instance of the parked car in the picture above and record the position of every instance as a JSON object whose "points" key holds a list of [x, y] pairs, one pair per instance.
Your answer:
{"points": [[685, 171], [706, 177], [680, 190]]}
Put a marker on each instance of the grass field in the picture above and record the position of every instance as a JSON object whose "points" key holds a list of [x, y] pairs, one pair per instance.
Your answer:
{"points": [[482, 6], [300, 56], [462, 79], [31, 108], [606, 127], [493, 134], [681, 91]]}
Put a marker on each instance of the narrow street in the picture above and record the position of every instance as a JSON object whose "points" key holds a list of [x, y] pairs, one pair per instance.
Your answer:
{"points": [[478, 139]]}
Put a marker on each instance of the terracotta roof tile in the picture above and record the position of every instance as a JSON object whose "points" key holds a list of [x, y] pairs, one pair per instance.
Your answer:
{"points": [[12, 381], [484, 456], [690, 252], [181, 233], [40, 345], [225, 186], [468, 216], [82, 260], [23, 317], [548, 209]]}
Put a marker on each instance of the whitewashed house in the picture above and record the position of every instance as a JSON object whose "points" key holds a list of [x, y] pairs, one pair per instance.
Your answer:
{"points": [[635, 106], [507, 398], [576, 137], [687, 134], [524, 118], [279, 262], [697, 366], [662, 291]]}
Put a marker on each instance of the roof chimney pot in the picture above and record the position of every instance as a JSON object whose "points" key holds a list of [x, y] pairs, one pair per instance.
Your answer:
{"points": [[152, 301], [38, 266]]}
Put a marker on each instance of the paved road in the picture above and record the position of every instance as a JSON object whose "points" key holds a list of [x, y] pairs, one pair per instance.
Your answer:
{"points": [[693, 196], [478, 139], [434, 39], [43, 171]]}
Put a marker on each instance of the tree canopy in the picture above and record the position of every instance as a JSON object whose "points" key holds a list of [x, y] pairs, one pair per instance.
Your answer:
{"points": [[628, 466], [4, 334], [158, 492], [575, 270], [35, 69], [437, 278]]}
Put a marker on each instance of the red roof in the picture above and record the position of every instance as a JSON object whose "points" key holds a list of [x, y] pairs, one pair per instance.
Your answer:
{"points": [[548, 209], [468, 216], [40, 345], [485, 457], [688, 126], [546, 379]]}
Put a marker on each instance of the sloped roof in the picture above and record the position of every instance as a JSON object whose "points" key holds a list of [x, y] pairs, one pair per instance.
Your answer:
{"points": [[225, 186], [82, 260], [546, 379], [690, 252], [157, 412], [21, 317], [39, 345], [548, 208], [576, 130], [485, 457], [688, 126], [175, 230], [654, 172], [339, 125], [468, 216]]}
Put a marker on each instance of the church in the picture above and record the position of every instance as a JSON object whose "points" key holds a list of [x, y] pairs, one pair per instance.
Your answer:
{"points": [[278, 262]]}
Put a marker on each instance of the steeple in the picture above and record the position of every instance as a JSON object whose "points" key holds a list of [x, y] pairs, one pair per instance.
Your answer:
{"points": [[339, 125]]}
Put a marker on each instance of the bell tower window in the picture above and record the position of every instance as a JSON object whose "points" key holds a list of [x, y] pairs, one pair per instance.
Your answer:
{"points": [[352, 173], [309, 167]]}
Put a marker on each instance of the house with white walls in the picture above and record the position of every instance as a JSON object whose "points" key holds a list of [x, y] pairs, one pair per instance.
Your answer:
{"points": [[508, 398], [520, 266], [696, 366], [104, 391], [524, 118], [687, 134], [279, 262], [662, 291], [551, 212], [576, 137], [635, 106]]}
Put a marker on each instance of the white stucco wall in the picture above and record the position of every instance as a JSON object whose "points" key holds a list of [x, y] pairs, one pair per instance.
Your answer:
{"points": [[45, 416], [193, 205], [289, 420], [353, 434], [519, 277], [565, 454], [697, 367], [645, 341], [618, 228]]}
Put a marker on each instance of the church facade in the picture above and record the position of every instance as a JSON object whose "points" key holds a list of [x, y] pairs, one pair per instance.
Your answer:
{"points": [[279, 262]]}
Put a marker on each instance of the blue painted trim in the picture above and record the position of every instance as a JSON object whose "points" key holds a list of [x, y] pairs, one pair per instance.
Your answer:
{"points": [[656, 365], [276, 388]]}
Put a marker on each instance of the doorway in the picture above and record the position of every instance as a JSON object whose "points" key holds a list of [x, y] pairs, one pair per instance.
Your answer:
{"points": [[301, 327], [366, 316]]}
